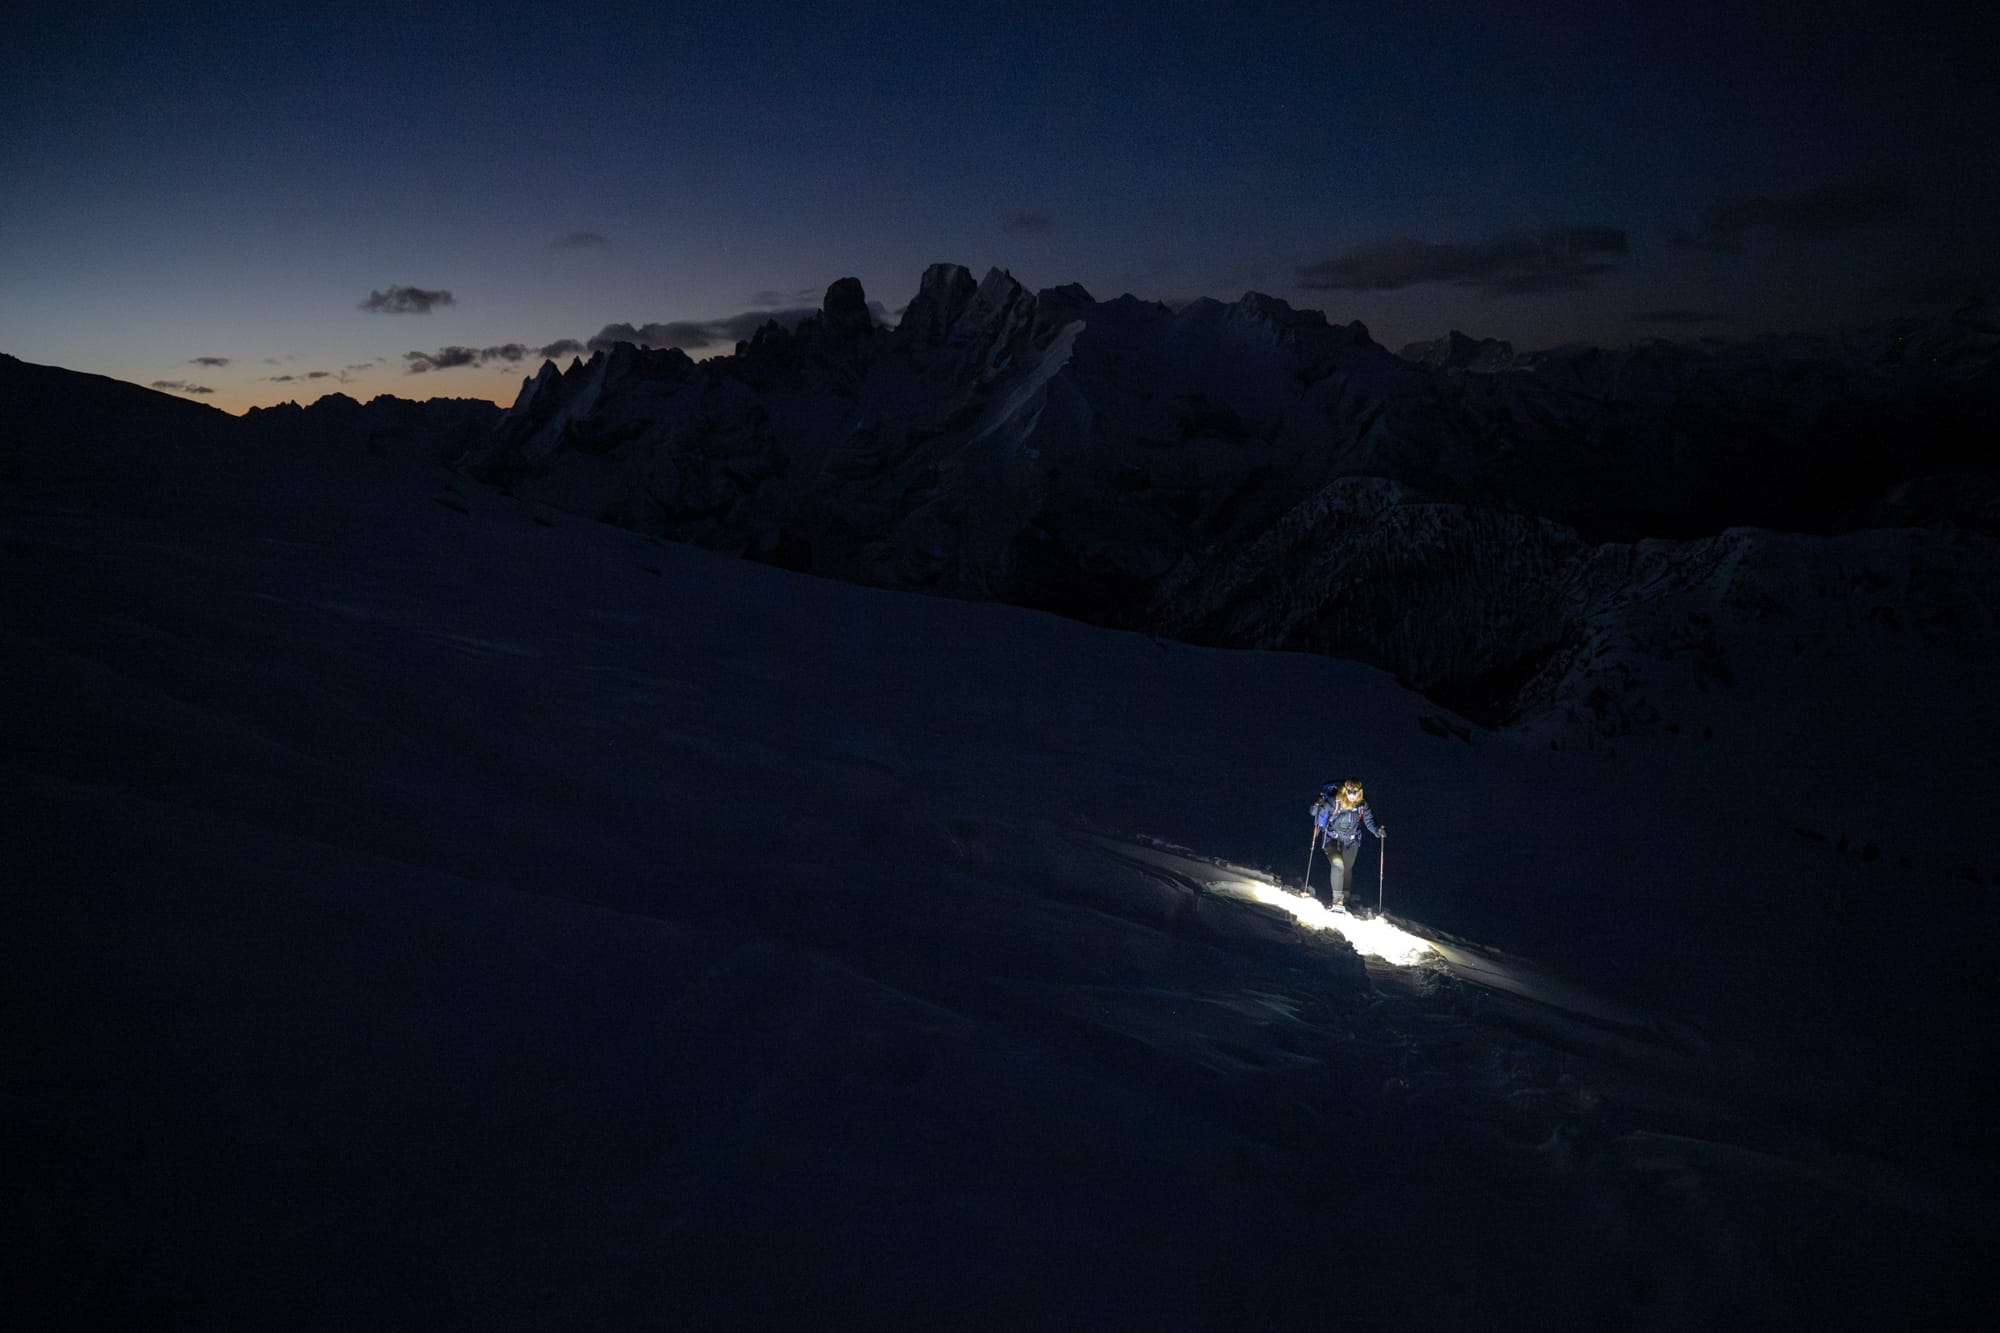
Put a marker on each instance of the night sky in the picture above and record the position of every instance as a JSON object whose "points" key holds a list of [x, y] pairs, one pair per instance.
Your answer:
{"points": [[251, 204]]}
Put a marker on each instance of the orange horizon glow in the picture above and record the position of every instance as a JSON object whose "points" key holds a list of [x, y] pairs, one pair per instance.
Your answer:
{"points": [[237, 399], [498, 385]]}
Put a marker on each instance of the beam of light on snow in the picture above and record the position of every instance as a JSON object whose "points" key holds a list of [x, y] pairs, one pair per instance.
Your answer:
{"points": [[1372, 936]]}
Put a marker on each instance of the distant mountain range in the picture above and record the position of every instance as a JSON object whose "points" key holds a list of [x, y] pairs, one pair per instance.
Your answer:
{"points": [[1481, 524]]}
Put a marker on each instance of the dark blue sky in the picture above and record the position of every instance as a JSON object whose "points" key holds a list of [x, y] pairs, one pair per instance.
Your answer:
{"points": [[238, 182]]}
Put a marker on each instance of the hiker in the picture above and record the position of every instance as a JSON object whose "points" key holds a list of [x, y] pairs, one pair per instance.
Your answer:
{"points": [[1339, 815]]}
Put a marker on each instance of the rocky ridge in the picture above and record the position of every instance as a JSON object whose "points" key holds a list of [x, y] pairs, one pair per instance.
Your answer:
{"points": [[1582, 539], [1248, 474]]}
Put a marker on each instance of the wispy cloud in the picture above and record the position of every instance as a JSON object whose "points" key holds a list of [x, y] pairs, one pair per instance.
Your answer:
{"points": [[406, 301], [180, 386], [580, 240], [1555, 258], [209, 361], [1826, 210], [775, 300], [1024, 224], [560, 347]]}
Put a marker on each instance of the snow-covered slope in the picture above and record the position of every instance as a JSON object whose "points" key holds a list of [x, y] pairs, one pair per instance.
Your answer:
{"points": [[432, 909]]}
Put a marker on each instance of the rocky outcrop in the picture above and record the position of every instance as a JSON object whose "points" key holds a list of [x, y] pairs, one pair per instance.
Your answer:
{"points": [[845, 309], [942, 295], [1463, 603], [1248, 474]]}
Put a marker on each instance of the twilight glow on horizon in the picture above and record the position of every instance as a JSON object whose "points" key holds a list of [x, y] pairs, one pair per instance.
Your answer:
{"points": [[248, 204]]}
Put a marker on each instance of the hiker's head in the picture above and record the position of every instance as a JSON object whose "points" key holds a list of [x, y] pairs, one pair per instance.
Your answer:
{"points": [[1350, 792]]}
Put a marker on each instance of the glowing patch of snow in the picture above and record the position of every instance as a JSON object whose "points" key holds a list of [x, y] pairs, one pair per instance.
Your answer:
{"points": [[1372, 936]]}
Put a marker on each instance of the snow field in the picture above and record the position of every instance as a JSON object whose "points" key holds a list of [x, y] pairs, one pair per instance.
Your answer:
{"points": [[426, 913]]}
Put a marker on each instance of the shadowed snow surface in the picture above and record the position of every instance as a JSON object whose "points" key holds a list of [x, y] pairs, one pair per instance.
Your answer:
{"points": [[430, 910]]}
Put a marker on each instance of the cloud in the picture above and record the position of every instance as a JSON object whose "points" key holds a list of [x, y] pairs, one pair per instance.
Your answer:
{"points": [[209, 361], [405, 301], [1553, 259], [1676, 315], [686, 334], [1825, 210], [580, 240], [740, 327], [1024, 224], [181, 386], [774, 300], [362, 365], [445, 358], [280, 379], [696, 334], [319, 374]]}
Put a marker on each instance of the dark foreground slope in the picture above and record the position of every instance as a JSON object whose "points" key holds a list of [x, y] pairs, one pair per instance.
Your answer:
{"points": [[428, 909]]}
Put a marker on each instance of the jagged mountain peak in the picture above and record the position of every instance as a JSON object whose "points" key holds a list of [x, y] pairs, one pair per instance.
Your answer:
{"points": [[1272, 310], [942, 295], [534, 384], [997, 294], [1119, 461], [845, 308], [1460, 351]]}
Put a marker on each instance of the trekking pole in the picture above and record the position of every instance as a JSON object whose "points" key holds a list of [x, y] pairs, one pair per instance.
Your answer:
{"points": [[1309, 862], [1381, 871]]}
